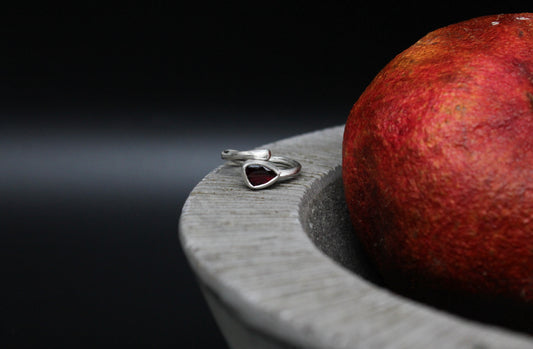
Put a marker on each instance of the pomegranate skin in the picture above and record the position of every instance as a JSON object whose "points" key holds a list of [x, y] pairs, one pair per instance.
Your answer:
{"points": [[438, 162]]}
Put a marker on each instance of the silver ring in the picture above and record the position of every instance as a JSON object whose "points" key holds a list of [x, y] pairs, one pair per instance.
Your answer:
{"points": [[260, 174], [260, 169]]}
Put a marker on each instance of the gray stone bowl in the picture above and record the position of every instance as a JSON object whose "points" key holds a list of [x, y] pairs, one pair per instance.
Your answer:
{"points": [[281, 267]]}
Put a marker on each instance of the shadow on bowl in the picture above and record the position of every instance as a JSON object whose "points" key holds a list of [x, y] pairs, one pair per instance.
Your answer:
{"points": [[339, 242]]}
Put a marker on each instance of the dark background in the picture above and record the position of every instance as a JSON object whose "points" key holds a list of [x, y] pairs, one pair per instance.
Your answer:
{"points": [[110, 115]]}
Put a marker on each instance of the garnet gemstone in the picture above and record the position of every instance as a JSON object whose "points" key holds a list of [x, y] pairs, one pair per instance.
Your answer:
{"points": [[258, 174]]}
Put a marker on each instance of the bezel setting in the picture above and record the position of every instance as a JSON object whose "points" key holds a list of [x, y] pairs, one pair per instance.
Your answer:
{"points": [[265, 164]]}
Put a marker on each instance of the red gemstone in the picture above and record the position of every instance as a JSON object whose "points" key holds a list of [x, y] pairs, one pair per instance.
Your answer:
{"points": [[258, 174]]}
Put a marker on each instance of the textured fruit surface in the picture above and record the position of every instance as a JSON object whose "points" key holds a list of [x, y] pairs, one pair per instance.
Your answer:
{"points": [[438, 161]]}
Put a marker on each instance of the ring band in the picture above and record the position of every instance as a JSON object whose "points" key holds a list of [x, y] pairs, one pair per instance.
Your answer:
{"points": [[236, 155], [258, 174]]}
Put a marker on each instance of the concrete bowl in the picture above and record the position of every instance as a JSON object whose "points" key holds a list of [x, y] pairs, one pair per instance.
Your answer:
{"points": [[282, 268]]}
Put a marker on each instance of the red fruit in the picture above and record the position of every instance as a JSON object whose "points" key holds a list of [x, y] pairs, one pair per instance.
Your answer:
{"points": [[438, 161]]}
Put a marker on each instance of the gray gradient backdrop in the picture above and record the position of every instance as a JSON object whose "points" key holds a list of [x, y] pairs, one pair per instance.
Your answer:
{"points": [[110, 116]]}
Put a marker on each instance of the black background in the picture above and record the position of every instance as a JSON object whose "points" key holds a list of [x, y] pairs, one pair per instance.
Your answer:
{"points": [[110, 115]]}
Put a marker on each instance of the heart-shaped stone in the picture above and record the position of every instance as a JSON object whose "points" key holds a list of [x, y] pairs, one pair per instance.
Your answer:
{"points": [[258, 174]]}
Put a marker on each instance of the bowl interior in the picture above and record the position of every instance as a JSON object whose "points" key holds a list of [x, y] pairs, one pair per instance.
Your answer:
{"points": [[330, 229]]}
